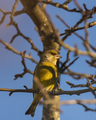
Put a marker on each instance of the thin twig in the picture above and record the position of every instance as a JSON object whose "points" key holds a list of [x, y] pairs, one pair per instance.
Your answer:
{"points": [[25, 68], [63, 6], [77, 75], [70, 64], [56, 92], [70, 102], [76, 50], [9, 47], [80, 85], [87, 108], [73, 29]]}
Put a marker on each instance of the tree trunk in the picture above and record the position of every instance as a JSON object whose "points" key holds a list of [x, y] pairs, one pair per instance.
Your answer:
{"points": [[51, 111], [40, 19]]}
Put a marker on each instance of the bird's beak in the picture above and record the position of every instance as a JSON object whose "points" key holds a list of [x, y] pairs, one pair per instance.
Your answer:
{"points": [[58, 56]]}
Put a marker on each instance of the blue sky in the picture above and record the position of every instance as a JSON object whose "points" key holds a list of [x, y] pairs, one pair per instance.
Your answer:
{"points": [[14, 107]]}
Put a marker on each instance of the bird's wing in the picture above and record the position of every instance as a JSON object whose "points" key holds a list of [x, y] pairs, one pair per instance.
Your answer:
{"points": [[46, 73]]}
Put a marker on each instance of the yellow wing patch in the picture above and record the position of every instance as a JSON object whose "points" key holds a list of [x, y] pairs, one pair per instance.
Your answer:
{"points": [[46, 74]]}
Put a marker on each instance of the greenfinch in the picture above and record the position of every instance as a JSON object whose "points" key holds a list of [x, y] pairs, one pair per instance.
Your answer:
{"points": [[46, 72]]}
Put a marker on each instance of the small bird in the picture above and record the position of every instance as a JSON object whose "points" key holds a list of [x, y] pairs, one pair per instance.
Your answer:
{"points": [[46, 72]]}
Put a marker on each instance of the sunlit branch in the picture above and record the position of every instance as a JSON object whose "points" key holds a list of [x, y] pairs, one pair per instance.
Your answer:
{"points": [[9, 47], [89, 25], [80, 85], [63, 6], [77, 75], [70, 102], [76, 50], [7, 13], [25, 68], [87, 108], [56, 92]]}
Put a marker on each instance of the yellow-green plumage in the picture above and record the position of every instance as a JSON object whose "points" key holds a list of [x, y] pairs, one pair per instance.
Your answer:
{"points": [[46, 72]]}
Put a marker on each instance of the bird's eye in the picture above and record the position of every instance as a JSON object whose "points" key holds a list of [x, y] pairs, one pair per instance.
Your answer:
{"points": [[53, 53]]}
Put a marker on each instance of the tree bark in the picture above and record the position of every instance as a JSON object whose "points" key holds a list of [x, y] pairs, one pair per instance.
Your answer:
{"points": [[51, 111]]}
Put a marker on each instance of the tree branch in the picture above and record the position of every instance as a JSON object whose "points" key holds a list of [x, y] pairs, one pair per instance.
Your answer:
{"points": [[25, 68], [56, 92], [63, 6], [9, 47]]}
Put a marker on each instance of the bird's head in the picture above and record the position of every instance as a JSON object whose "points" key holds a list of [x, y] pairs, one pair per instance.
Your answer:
{"points": [[50, 56]]}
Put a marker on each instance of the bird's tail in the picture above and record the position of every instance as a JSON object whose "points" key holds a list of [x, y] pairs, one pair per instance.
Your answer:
{"points": [[31, 109]]}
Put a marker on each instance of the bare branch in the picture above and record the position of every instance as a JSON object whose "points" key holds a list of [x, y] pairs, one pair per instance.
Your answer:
{"points": [[13, 13], [9, 47], [72, 29], [63, 6], [80, 85], [70, 102], [70, 64], [56, 92], [87, 108], [4, 15], [26, 38], [13, 9], [91, 64], [18, 90], [76, 50], [77, 75], [67, 59], [25, 68]]}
